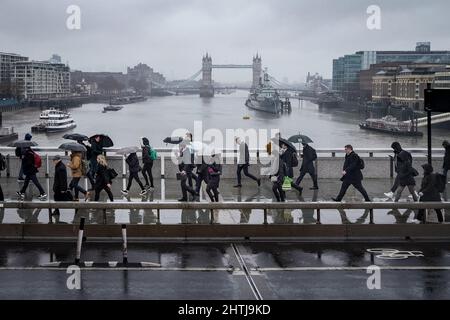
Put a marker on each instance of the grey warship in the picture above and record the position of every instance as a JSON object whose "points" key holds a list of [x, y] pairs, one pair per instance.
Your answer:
{"points": [[265, 98]]}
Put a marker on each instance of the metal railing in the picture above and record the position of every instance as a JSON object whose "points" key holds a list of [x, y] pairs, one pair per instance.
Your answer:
{"points": [[211, 206]]}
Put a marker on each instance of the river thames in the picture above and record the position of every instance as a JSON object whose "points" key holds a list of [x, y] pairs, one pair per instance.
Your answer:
{"points": [[158, 117]]}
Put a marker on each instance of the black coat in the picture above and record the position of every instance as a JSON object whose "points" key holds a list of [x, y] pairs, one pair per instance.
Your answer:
{"points": [[102, 177], [309, 156], [405, 171], [214, 172], [146, 155], [446, 164], [244, 147], [96, 149], [60, 181], [286, 157], [352, 168], [28, 163], [428, 188], [133, 163]]}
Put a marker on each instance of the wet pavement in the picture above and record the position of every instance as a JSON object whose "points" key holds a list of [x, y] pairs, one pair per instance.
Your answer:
{"points": [[169, 190], [223, 270]]}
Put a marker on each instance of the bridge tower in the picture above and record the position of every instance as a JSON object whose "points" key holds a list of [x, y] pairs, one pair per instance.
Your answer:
{"points": [[206, 88], [257, 71]]}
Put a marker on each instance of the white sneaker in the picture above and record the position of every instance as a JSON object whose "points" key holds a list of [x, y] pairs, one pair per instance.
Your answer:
{"points": [[143, 192], [389, 194], [124, 192], [43, 197]]}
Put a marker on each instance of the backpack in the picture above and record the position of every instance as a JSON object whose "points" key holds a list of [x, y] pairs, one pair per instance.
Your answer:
{"points": [[2, 162], [18, 152], [314, 154], [440, 182], [153, 154], [37, 160], [294, 161], [362, 165]]}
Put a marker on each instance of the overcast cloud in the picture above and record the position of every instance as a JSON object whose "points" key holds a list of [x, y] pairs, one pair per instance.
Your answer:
{"points": [[293, 36]]}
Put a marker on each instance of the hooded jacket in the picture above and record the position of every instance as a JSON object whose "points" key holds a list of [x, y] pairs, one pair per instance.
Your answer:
{"points": [[403, 166], [28, 162]]}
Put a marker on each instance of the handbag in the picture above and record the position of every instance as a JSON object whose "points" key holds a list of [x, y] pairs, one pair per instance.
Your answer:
{"points": [[287, 181], [112, 173]]}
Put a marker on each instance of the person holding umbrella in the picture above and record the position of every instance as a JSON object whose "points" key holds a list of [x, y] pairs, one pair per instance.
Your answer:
{"points": [[309, 156], [76, 166], [243, 163], [98, 142], [185, 166]]}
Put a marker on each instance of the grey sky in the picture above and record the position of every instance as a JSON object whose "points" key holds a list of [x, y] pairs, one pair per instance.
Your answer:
{"points": [[293, 36]]}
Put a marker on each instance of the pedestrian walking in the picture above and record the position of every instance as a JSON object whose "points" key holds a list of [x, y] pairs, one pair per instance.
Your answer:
{"points": [[60, 191], [214, 172], [185, 159], [243, 163], [134, 168], [405, 172], [78, 171], [31, 162], [309, 156], [20, 152], [400, 155], [93, 152], [351, 174], [103, 180], [446, 164], [148, 156], [202, 175], [289, 157], [429, 192]]}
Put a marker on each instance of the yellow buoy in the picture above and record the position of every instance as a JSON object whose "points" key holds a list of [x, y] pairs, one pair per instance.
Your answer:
{"points": [[246, 117]]}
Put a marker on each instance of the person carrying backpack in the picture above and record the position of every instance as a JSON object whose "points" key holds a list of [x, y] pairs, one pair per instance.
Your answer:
{"points": [[148, 156], [429, 192], [351, 174], [31, 162], [76, 166], [309, 156], [214, 172]]}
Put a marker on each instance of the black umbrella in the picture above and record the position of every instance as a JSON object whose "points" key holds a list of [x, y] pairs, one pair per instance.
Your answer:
{"points": [[23, 144], [75, 136], [173, 140], [281, 141], [300, 138], [105, 141], [73, 146]]}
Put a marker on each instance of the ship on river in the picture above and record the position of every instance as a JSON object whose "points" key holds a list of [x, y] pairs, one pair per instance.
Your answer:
{"points": [[390, 124], [265, 98]]}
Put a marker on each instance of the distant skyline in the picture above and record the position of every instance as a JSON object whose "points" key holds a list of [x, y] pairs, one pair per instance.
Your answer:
{"points": [[293, 37]]}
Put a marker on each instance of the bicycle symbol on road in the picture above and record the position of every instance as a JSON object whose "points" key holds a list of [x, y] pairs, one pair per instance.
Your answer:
{"points": [[384, 253]]}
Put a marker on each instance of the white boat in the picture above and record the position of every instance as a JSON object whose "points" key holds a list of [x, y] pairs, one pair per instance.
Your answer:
{"points": [[60, 122], [53, 112], [56, 121]]}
